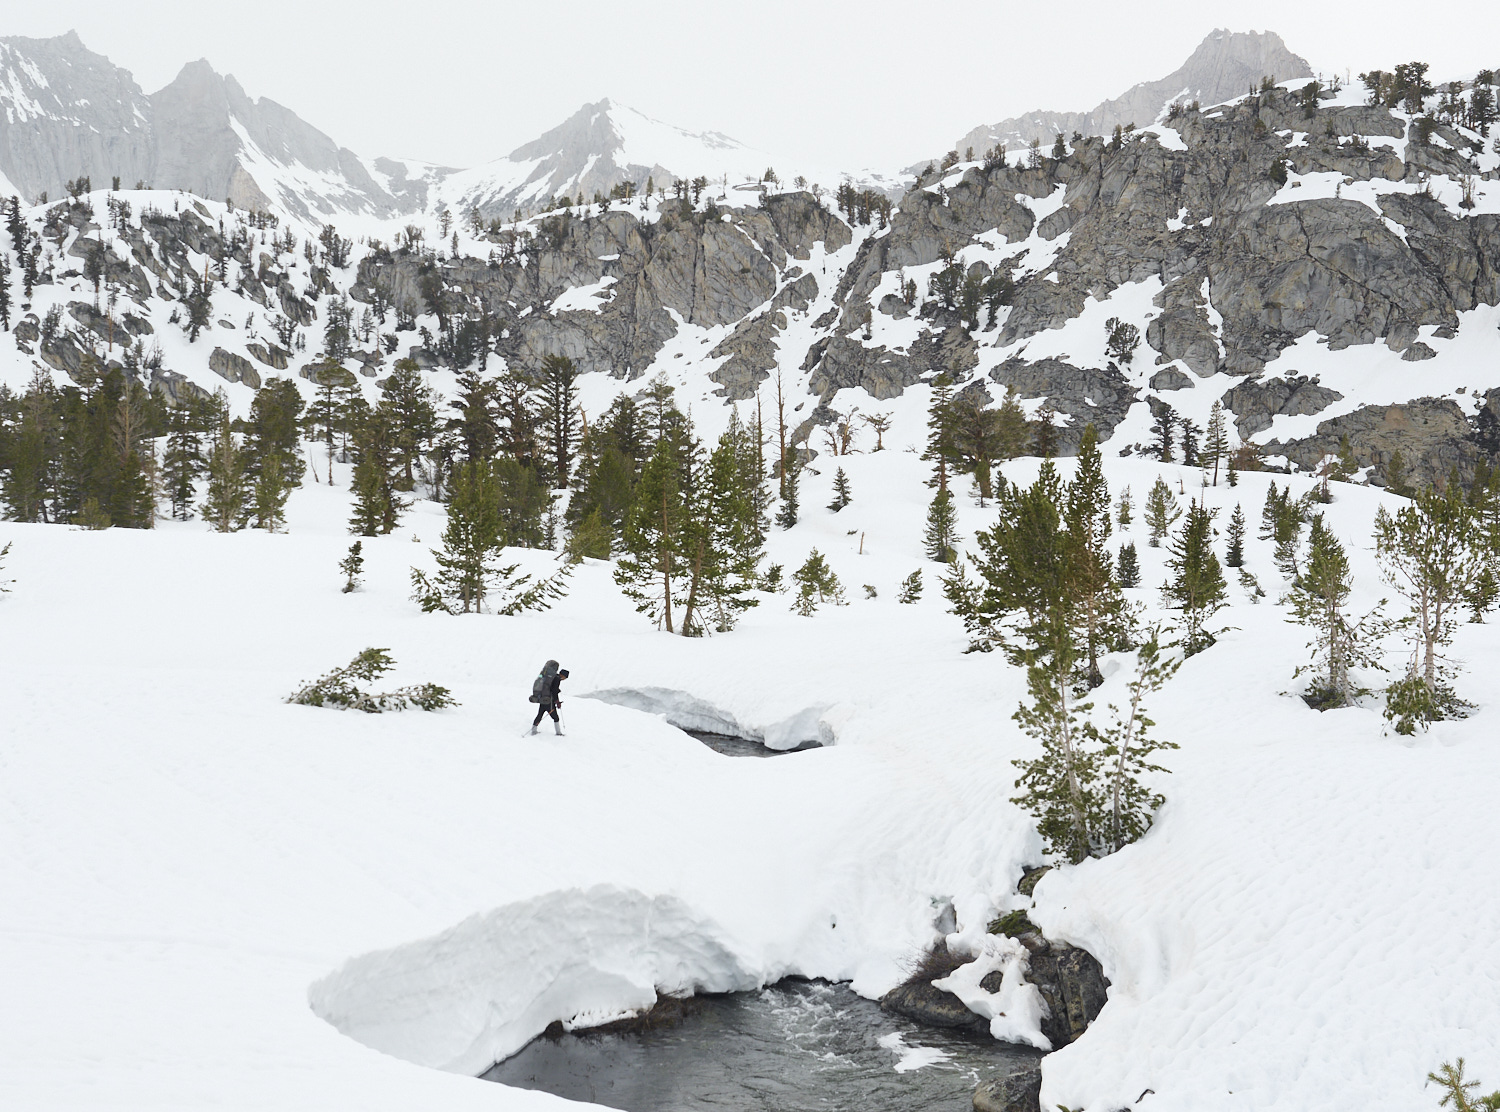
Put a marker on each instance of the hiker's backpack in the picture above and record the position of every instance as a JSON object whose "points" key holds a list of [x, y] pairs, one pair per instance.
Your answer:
{"points": [[539, 685]]}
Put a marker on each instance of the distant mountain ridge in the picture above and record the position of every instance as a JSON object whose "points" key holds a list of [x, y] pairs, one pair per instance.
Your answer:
{"points": [[66, 111], [1225, 65], [599, 147]]}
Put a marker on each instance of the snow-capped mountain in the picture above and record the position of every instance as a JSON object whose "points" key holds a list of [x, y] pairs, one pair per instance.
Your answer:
{"points": [[597, 148], [70, 113], [1224, 66], [65, 111]]}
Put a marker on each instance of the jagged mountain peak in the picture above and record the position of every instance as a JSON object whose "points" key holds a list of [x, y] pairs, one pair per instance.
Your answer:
{"points": [[1223, 66], [601, 145]]}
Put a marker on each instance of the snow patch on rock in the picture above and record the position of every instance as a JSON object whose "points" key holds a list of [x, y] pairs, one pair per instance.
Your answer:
{"points": [[818, 723], [1017, 1009]]}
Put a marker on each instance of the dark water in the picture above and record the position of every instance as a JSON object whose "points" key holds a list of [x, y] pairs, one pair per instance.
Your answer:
{"points": [[742, 747], [797, 1046]]}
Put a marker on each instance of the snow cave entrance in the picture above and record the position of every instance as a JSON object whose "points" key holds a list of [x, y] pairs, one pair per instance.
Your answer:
{"points": [[794, 1046]]}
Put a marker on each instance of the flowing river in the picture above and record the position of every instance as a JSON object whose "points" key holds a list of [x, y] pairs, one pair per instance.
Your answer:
{"points": [[796, 1046]]}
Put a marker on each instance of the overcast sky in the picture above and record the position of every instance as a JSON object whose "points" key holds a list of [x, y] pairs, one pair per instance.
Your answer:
{"points": [[877, 83]]}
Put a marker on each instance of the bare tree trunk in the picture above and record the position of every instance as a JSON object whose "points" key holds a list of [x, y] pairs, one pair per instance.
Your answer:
{"points": [[692, 599], [666, 562], [781, 425]]}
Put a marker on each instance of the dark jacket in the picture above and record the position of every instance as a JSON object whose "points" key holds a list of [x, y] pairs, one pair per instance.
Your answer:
{"points": [[551, 693]]}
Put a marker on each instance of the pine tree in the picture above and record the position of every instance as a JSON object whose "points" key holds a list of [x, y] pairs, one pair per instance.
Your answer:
{"points": [[841, 496], [590, 539], [29, 479], [786, 517], [1235, 556], [1062, 788], [749, 454], [719, 546], [940, 539], [525, 504], [1215, 441], [1127, 509], [268, 495], [224, 504], [1395, 475], [273, 442], [1044, 434], [981, 436], [1023, 604], [651, 564], [1162, 429], [4, 294], [199, 304], [377, 474], [1128, 746], [816, 585], [468, 570], [1450, 1078], [1097, 605], [939, 451], [1282, 519], [1197, 587], [328, 414], [353, 566], [911, 588], [1130, 566], [1189, 442], [1431, 552], [1161, 511], [1317, 600], [1344, 466], [183, 462], [413, 407], [560, 415]]}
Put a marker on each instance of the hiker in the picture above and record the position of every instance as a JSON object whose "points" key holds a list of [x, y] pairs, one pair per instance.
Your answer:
{"points": [[545, 693]]}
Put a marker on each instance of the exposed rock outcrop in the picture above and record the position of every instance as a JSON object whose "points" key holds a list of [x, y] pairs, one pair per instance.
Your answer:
{"points": [[1255, 403], [235, 368], [1070, 980], [1083, 394], [1015, 1092], [1433, 435]]}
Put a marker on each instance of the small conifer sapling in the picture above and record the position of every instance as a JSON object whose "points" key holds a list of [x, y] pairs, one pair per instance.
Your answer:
{"points": [[1161, 511], [353, 565], [1234, 557], [940, 539], [911, 588], [841, 496]]}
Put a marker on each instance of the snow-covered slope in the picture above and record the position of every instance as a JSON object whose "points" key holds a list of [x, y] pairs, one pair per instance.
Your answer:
{"points": [[187, 863]]}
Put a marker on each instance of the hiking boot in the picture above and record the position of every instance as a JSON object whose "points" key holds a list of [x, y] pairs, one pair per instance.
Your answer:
{"points": [[558, 727], [533, 731]]}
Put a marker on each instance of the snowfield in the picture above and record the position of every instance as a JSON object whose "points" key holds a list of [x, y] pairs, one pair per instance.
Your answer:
{"points": [[212, 899]]}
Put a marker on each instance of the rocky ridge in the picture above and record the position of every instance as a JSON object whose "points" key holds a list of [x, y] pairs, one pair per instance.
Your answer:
{"points": [[1237, 238], [1223, 66]]}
